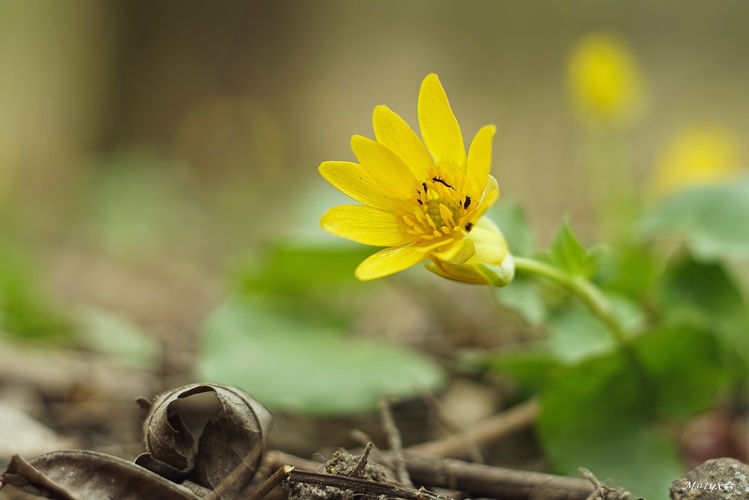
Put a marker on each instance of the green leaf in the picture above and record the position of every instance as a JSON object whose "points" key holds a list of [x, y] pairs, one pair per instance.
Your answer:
{"points": [[528, 366], [699, 291], [305, 367], [575, 334], [525, 297], [713, 221], [570, 255], [687, 367], [704, 294], [629, 269], [599, 413], [513, 222], [595, 415]]}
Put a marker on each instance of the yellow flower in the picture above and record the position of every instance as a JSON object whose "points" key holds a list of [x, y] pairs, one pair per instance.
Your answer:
{"points": [[697, 156], [604, 78], [419, 199]]}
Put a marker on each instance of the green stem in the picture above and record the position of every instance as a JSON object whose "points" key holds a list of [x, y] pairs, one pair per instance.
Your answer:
{"points": [[586, 291], [597, 303]]}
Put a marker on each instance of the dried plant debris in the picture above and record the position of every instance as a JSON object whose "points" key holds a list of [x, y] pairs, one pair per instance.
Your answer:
{"points": [[83, 475], [225, 459], [231, 444], [342, 463], [716, 479], [602, 491], [343, 477]]}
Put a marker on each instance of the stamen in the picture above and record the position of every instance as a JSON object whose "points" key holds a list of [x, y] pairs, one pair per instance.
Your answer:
{"points": [[431, 222], [446, 214]]}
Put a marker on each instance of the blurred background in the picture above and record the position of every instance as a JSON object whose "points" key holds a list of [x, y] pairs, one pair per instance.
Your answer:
{"points": [[149, 149], [182, 136]]}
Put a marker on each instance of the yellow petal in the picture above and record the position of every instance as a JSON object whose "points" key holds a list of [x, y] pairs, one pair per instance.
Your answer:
{"points": [[456, 273], [457, 253], [438, 125], [353, 180], [479, 161], [395, 134], [390, 261], [490, 243], [384, 166], [367, 225], [491, 195]]}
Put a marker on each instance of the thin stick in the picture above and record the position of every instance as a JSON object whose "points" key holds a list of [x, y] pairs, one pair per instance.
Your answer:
{"points": [[486, 432], [495, 482], [362, 460], [379, 455], [270, 483], [394, 443]]}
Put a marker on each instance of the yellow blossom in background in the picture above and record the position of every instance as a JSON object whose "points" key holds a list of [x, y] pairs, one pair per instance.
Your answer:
{"points": [[604, 79], [697, 156], [420, 200]]}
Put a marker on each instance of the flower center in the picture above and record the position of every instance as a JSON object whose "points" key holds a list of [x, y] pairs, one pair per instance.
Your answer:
{"points": [[438, 209]]}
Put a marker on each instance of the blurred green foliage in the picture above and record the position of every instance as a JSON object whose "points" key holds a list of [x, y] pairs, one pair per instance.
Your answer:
{"points": [[25, 309], [568, 254], [286, 336], [606, 406], [712, 221], [294, 364]]}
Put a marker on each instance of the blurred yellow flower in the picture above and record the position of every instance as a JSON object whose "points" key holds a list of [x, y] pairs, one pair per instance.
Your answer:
{"points": [[604, 78], [696, 156], [419, 199]]}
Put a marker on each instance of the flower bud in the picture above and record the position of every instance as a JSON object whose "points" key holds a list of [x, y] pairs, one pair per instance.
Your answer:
{"points": [[491, 263]]}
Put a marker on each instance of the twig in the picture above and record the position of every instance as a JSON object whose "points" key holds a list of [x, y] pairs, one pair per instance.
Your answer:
{"points": [[270, 483], [477, 479], [394, 443], [488, 431], [495, 482], [379, 455], [362, 460]]}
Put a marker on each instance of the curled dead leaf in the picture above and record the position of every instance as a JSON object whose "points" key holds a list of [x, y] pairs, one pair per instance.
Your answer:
{"points": [[229, 448]]}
